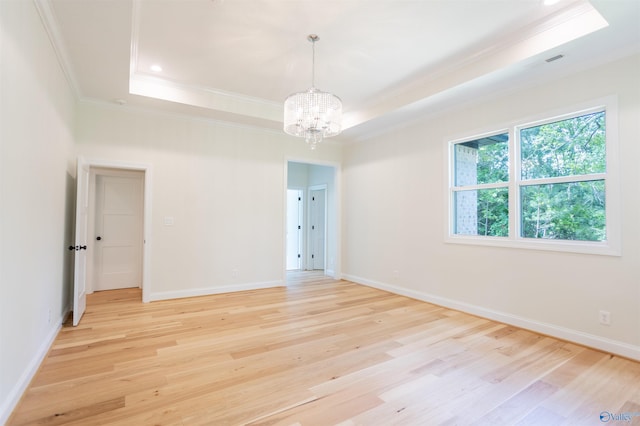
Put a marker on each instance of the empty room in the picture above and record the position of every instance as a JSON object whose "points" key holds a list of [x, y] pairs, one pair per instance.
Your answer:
{"points": [[296, 212]]}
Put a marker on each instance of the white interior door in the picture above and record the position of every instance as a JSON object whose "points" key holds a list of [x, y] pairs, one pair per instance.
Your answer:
{"points": [[317, 214], [80, 264], [118, 230], [295, 218]]}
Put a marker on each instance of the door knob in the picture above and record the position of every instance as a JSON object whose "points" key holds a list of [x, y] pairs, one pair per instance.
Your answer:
{"points": [[98, 238]]}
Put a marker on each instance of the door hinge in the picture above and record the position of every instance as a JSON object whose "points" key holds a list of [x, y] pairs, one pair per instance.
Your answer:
{"points": [[313, 256], [299, 199], [299, 227], [298, 255], [313, 227]]}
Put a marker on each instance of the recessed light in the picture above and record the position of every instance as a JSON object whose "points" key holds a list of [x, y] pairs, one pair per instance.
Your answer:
{"points": [[156, 68]]}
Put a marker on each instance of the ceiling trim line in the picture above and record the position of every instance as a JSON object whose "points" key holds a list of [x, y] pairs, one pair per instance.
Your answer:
{"points": [[135, 31], [50, 24], [179, 115], [156, 88], [205, 89]]}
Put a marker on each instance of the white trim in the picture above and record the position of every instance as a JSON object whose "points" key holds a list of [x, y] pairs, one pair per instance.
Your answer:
{"points": [[152, 80], [15, 394], [601, 343], [208, 291], [50, 24], [283, 275], [496, 185], [135, 34], [562, 179], [583, 247], [140, 109], [217, 100]]}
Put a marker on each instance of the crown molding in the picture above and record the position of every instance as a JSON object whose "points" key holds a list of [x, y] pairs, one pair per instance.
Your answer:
{"points": [[50, 24]]}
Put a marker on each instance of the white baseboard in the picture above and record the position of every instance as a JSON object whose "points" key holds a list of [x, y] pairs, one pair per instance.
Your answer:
{"points": [[607, 345], [10, 403], [207, 291]]}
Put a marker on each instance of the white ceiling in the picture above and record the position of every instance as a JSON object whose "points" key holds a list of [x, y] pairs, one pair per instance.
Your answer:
{"points": [[388, 60]]}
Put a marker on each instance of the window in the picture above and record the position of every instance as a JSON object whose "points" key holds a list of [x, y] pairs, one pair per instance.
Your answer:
{"points": [[544, 185], [562, 176], [481, 196]]}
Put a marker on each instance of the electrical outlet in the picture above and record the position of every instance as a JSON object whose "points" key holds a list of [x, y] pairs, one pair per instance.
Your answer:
{"points": [[605, 317]]}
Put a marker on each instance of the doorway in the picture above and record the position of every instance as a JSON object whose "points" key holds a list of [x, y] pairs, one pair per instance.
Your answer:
{"points": [[311, 223], [85, 236]]}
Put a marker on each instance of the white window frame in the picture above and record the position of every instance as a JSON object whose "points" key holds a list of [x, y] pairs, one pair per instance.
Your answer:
{"points": [[611, 246], [494, 185]]}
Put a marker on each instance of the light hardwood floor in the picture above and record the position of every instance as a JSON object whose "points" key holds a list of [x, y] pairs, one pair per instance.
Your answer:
{"points": [[320, 352]]}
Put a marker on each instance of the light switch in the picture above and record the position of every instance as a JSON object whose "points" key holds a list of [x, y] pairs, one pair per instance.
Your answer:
{"points": [[168, 221]]}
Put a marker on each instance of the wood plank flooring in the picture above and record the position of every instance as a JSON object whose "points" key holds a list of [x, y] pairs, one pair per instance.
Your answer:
{"points": [[319, 352]]}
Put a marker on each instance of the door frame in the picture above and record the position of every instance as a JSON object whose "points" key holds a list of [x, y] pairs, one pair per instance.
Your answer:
{"points": [[146, 214], [336, 272]]}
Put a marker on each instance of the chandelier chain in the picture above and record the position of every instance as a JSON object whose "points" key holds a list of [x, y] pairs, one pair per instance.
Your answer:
{"points": [[313, 62]]}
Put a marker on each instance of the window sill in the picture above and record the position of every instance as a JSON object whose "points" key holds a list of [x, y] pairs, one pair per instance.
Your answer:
{"points": [[604, 248]]}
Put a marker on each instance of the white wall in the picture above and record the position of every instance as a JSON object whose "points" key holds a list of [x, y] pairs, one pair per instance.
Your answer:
{"points": [[223, 186], [394, 210], [36, 197]]}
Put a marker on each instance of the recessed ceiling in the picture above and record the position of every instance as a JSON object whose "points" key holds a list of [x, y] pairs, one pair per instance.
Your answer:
{"points": [[237, 60]]}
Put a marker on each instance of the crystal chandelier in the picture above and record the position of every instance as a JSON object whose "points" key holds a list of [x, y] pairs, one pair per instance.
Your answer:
{"points": [[314, 114]]}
